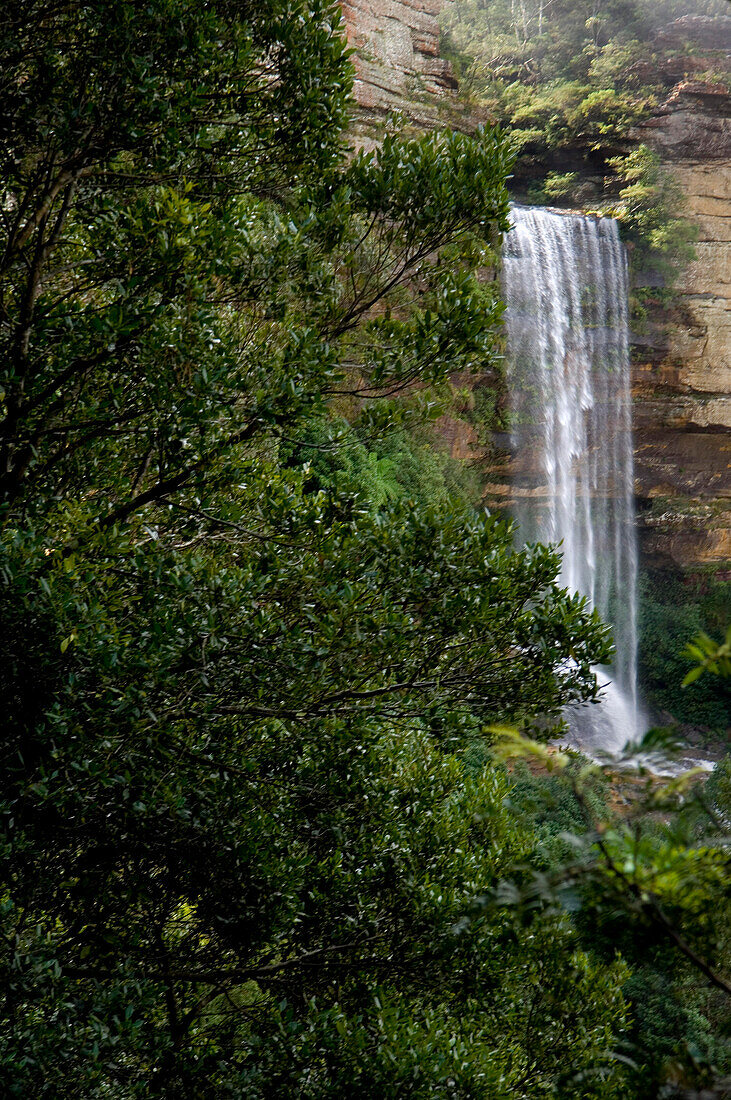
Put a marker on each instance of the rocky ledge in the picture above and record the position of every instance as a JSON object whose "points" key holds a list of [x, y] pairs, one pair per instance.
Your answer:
{"points": [[693, 124]]}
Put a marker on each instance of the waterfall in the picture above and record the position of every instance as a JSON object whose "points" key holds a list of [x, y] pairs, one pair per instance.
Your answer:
{"points": [[566, 287]]}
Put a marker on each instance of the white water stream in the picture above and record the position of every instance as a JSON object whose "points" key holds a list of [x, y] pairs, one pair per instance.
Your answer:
{"points": [[566, 288]]}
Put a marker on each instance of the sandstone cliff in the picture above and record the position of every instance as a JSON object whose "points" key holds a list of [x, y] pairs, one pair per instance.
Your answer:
{"points": [[398, 69], [682, 367]]}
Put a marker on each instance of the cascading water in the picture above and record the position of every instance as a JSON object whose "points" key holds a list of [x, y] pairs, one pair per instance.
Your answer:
{"points": [[565, 284]]}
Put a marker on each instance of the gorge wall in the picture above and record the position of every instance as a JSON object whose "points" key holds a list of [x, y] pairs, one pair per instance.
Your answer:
{"points": [[682, 357], [682, 363], [398, 69]]}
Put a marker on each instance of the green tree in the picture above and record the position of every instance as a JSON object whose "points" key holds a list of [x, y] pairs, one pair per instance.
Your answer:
{"points": [[241, 849]]}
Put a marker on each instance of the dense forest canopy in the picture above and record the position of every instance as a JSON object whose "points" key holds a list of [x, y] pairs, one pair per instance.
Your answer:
{"points": [[257, 635], [543, 40]]}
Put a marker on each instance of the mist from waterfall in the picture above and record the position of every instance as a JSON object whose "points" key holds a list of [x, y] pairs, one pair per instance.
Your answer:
{"points": [[566, 288]]}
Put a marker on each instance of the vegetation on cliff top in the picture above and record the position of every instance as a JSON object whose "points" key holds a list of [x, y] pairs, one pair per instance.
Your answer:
{"points": [[569, 75], [571, 79]]}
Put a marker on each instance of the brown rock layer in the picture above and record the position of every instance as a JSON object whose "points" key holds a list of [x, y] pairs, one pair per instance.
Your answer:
{"points": [[682, 367], [709, 34], [398, 68]]}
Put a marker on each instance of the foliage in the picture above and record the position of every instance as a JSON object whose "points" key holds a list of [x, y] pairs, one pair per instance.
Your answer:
{"points": [[533, 42], [397, 464], [670, 1035], [651, 883], [649, 212], [712, 656], [246, 641], [556, 186], [568, 115], [670, 613], [554, 809]]}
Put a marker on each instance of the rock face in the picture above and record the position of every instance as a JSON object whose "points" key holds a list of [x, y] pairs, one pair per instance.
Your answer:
{"points": [[398, 68], [397, 53], [693, 125], [682, 367], [708, 33]]}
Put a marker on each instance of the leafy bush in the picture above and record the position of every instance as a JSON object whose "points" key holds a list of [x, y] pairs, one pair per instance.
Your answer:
{"points": [[650, 214], [671, 613]]}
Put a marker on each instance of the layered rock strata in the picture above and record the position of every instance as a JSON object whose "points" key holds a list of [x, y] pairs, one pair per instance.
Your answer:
{"points": [[398, 70], [682, 365]]}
